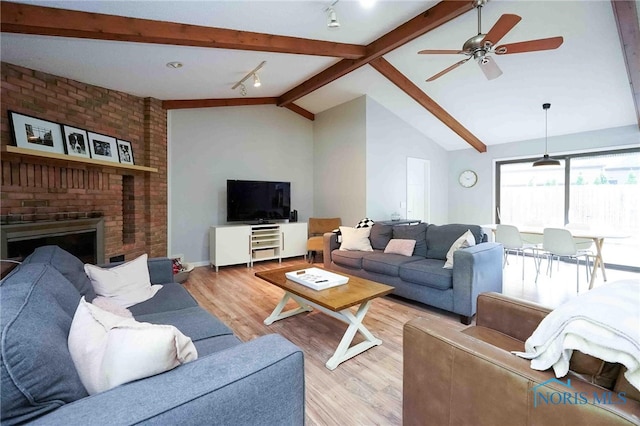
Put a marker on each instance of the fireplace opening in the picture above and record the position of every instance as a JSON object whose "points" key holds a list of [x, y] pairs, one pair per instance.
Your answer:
{"points": [[84, 238]]}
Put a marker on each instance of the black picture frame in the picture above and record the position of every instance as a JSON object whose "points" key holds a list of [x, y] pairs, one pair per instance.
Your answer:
{"points": [[103, 147], [35, 133], [125, 152], [76, 141]]}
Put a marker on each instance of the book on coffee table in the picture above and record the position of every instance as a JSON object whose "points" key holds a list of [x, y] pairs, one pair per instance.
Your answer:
{"points": [[317, 279]]}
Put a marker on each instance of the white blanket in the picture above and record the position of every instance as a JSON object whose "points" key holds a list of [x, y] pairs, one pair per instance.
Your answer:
{"points": [[604, 323]]}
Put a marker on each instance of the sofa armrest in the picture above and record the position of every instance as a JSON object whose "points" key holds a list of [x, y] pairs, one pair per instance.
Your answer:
{"points": [[330, 244], [451, 378], [258, 382], [476, 269], [514, 317], [160, 269]]}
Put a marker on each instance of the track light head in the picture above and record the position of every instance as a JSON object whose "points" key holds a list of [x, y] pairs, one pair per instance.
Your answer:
{"points": [[256, 80], [243, 90], [332, 19]]}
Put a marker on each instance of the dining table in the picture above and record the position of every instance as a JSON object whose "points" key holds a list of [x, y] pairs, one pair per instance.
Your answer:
{"points": [[598, 237]]}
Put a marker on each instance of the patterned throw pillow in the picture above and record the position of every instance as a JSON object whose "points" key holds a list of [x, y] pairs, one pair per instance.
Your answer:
{"points": [[365, 223]]}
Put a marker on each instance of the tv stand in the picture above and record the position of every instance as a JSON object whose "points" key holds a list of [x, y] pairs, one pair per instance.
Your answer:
{"points": [[248, 243], [259, 222]]}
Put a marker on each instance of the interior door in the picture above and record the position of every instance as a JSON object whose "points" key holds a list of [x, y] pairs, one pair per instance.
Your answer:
{"points": [[418, 182]]}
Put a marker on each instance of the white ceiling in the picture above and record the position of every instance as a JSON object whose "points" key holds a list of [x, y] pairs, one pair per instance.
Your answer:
{"points": [[585, 80]]}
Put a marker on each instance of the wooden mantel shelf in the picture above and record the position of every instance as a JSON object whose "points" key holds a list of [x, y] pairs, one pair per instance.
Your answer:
{"points": [[55, 156]]}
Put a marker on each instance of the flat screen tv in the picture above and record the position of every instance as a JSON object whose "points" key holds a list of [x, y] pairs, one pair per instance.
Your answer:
{"points": [[255, 201]]}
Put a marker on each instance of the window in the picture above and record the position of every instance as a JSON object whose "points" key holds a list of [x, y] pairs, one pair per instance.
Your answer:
{"points": [[594, 191]]}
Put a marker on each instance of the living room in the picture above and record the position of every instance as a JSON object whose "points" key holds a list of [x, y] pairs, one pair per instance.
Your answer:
{"points": [[349, 162]]}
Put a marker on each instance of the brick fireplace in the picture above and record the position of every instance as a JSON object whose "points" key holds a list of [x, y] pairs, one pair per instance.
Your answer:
{"points": [[131, 204]]}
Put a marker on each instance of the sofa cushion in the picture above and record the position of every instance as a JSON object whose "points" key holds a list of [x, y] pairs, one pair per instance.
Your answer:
{"points": [[441, 237], [387, 264], [38, 375], [414, 232], [171, 297], [428, 272], [380, 235], [194, 322], [466, 240], [349, 259], [398, 246], [67, 264]]}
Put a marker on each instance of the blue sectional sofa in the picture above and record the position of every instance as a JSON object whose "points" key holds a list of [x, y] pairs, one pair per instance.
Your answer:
{"points": [[257, 382], [421, 277]]}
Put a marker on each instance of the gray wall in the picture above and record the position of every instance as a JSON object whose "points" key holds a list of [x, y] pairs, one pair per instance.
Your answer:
{"points": [[210, 145], [475, 205], [390, 141], [340, 162]]}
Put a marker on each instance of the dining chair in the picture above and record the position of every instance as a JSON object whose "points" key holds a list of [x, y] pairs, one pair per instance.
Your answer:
{"points": [[317, 228], [581, 243], [559, 243], [511, 239]]}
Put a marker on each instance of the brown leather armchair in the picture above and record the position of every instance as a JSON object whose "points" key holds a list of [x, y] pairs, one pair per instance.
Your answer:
{"points": [[317, 228], [469, 376]]}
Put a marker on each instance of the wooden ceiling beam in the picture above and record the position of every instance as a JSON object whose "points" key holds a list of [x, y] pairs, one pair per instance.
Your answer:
{"points": [[437, 15], [226, 102], [407, 86], [29, 19], [211, 103], [626, 15]]}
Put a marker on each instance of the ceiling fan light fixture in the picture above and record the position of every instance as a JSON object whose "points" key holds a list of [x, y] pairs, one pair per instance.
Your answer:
{"points": [[546, 160]]}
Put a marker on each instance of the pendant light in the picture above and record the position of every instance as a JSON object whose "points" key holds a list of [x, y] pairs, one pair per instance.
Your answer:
{"points": [[546, 160]]}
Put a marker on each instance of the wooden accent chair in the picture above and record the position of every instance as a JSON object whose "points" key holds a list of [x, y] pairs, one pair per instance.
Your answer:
{"points": [[317, 228]]}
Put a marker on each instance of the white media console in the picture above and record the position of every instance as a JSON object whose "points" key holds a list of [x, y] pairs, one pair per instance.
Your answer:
{"points": [[236, 244]]}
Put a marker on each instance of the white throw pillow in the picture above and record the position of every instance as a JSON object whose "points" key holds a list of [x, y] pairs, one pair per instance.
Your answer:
{"points": [[109, 350], [125, 284], [466, 240], [356, 239]]}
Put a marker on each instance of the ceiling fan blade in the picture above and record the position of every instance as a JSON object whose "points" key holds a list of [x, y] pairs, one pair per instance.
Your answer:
{"points": [[439, 52], [489, 68], [501, 28], [530, 46], [446, 70]]}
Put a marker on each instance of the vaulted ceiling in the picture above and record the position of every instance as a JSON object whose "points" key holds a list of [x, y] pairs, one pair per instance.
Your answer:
{"points": [[592, 80]]}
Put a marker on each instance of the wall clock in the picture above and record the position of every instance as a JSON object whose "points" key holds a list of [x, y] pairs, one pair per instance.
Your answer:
{"points": [[468, 178]]}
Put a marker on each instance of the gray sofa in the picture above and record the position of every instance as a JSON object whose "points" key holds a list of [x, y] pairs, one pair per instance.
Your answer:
{"points": [[421, 277], [231, 383]]}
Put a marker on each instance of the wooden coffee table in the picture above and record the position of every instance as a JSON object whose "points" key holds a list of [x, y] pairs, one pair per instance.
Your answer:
{"points": [[335, 302]]}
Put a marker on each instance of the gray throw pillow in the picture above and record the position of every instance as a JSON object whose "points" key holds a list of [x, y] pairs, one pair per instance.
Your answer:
{"points": [[380, 236], [413, 232]]}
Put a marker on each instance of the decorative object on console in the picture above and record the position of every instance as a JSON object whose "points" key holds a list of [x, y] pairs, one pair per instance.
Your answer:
{"points": [[125, 152], [466, 240], [76, 141], [125, 284], [355, 239], [109, 350], [103, 147], [34, 133], [546, 160]]}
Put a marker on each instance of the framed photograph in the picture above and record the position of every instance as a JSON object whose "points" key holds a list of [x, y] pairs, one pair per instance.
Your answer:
{"points": [[76, 142], [33, 133], [103, 147], [125, 152]]}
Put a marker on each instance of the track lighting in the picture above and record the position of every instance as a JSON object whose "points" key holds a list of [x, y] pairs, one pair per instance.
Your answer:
{"points": [[332, 19], [546, 160], [256, 79]]}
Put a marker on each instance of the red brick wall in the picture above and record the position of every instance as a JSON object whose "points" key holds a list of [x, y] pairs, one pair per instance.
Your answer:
{"points": [[37, 185]]}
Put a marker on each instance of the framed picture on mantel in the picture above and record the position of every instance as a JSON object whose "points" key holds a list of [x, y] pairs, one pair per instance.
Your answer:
{"points": [[34, 133], [125, 152], [76, 141], [103, 147]]}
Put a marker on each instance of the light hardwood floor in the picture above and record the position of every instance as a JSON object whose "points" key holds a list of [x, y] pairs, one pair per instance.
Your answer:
{"points": [[367, 389]]}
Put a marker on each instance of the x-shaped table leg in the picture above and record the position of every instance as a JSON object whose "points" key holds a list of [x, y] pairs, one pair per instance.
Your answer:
{"points": [[277, 313]]}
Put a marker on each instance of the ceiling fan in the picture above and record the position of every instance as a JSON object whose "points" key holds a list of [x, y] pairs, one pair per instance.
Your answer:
{"points": [[480, 46]]}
